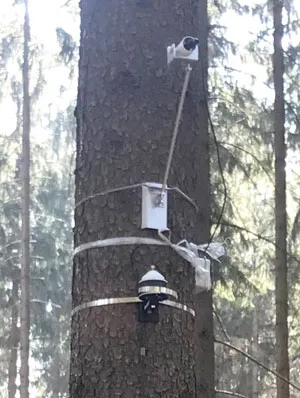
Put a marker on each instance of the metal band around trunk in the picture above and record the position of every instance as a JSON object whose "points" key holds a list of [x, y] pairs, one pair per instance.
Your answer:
{"points": [[157, 290], [128, 300], [180, 306], [120, 241]]}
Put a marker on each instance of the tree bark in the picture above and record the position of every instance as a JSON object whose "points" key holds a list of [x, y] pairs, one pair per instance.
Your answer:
{"points": [[127, 104], [25, 231], [14, 339], [281, 288], [204, 337]]}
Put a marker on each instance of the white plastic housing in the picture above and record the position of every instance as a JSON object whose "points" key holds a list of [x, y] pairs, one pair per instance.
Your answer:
{"points": [[180, 52], [153, 275], [202, 274], [154, 211]]}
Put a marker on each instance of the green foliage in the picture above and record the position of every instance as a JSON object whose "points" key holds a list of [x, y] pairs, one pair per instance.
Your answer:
{"points": [[67, 44], [241, 105], [52, 156]]}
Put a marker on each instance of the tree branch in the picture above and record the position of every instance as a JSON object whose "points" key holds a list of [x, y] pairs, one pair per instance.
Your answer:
{"points": [[295, 357], [228, 224], [294, 113], [221, 325], [232, 394], [216, 26], [258, 363], [252, 155]]}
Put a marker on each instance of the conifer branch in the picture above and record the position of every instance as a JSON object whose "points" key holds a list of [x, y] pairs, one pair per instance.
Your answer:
{"points": [[261, 237], [258, 363], [250, 154]]}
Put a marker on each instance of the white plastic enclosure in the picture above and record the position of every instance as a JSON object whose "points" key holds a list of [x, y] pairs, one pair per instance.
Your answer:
{"points": [[172, 54], [154, 206]]}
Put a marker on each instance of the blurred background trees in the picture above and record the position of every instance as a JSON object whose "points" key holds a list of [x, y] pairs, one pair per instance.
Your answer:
{"points": [[241, 96]]}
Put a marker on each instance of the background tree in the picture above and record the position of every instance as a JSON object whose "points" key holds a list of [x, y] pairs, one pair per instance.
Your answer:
{"points": [[25, 229], [281, 277], [51, 202], [241, 94]]}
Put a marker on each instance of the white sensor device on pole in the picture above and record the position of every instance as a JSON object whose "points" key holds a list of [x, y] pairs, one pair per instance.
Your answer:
{"points": [[187, 49]]}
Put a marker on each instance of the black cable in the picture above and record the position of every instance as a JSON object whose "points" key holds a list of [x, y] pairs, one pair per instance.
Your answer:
{"points": [[132, 260], [221, 173], [218, 157]]}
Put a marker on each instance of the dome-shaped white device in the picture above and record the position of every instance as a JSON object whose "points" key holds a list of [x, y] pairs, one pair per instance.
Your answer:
{"points": [[153, 275], [151, 291]]}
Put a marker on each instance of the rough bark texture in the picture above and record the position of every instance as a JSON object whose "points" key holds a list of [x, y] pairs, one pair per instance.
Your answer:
{"points": [[204, 342], [25, 233], [127, 103], [14, 339], [204, 346], [280, 208]]}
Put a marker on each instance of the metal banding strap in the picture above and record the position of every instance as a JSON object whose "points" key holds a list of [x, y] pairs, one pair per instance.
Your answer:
{"points": [[180, 306], [105, 301], [128, 300], [131, 240], [157, 290]]}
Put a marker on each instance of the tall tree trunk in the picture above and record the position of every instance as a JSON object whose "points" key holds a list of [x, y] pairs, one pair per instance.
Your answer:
{"points": [[25, 233], [127, 104], [280, 207], [255, 351], [56, 369], [204, 340], [14, 339]]}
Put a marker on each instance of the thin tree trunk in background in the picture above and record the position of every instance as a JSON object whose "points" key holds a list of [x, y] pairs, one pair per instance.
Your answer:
{"points": [[57, 360], [254, 352], [126, 109], [204, 336], [14, 339], [25, 233], [281, 288]]}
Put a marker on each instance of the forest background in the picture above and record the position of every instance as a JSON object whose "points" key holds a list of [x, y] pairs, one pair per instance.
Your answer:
{"points": [[241, 101]]}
